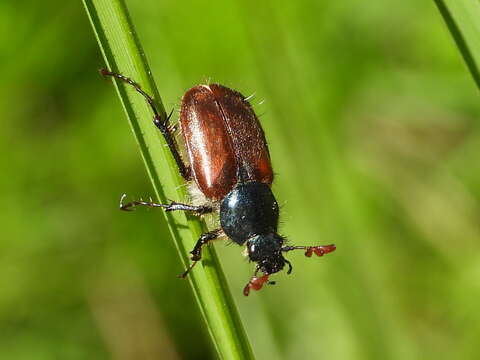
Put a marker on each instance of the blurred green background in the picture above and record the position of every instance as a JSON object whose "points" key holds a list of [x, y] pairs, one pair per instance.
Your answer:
{"points": [[372, 121]]}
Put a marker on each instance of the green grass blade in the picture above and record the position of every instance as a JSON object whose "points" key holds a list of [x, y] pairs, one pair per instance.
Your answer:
{"points": [[463, 20], [123, 53]]}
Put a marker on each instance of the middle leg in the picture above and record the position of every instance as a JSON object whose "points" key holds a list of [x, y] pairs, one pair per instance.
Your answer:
{"points": [[173, 206]]}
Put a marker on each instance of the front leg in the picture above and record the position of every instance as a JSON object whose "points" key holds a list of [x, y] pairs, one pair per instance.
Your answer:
{"points": [[197, 250]]}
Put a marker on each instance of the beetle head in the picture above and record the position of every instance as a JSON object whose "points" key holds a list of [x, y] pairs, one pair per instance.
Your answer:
{"points": [[266, 251]]}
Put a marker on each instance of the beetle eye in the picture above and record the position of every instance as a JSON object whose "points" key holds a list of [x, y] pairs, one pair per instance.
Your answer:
{"points": [[253, 251]]}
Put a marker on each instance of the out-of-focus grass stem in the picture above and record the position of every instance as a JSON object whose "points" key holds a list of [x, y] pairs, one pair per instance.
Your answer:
{"points": [[462, 18]]}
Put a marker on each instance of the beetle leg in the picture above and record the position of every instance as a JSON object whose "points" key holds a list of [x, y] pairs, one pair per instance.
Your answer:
{"points": [[164, 127], [173, 206], [173, 128], [309, 250], [197, 250], [290, 267], [160, 120]]}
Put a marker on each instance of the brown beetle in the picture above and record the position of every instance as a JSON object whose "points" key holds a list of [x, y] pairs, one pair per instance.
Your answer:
{"points": [[230, 164]]}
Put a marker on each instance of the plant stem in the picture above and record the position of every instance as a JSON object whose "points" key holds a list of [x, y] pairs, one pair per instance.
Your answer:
{"points": [[463, 20], [123, 53]]}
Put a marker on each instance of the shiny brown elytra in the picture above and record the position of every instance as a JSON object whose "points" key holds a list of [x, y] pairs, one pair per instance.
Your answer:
{"points": [[224, 140], [229, 161]]}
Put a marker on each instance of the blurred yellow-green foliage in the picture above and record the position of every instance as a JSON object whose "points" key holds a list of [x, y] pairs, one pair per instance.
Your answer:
{"points": [[372, 121]]}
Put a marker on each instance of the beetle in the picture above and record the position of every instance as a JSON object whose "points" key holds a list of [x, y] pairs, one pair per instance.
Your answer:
{"points": [[229, 162]]}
